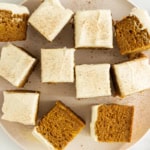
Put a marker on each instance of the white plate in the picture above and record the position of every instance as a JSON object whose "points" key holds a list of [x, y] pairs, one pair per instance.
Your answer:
{"points": [[66, 92]]}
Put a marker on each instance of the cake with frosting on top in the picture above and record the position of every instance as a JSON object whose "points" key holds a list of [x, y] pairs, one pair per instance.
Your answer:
{"points": [[57, 65], [131, 76], [92, 80], [58, 127], [20, 106], [112, 123], [133, 32], [13, 22], [16, 64], [50, 18], [93, 29]]}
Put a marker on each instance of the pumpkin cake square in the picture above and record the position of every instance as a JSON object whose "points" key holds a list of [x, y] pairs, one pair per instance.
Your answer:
{"points": [[93, 29], [92, 80], [50, 18], [132, 76], [58, 127], [112, 123], [16, 65], [20, 106], [13, 22], [133, 32], [57, 65]]}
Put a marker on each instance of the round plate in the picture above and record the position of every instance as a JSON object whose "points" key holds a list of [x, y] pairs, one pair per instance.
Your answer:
{"points": [[50, 93]]}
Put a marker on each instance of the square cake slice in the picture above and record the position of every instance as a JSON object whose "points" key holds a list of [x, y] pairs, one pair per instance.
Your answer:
{"points": [[57, 65], [58, 127], [93, 80], [133, 32], [50, 18], [15, 65], [93, 28], [112, 123], [20, 106], [13, 22], [132, 76]]}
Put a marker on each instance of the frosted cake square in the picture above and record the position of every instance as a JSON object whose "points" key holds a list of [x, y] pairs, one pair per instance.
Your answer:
{"points": [[13, 22], [93, 29], [93, 80], [112, 123], [50, 18], [16, 65], [57, 65], [20, 106], [59, 127]]}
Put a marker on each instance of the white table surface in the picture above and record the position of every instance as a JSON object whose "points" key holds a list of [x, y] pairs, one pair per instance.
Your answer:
{"points": [[144, 144]]}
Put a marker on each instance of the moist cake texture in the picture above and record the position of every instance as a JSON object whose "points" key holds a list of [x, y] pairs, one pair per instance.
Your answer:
{"points": [[15, 65], [93, 28], [13, 22], [57, 65], [20, 106], [58, 127], [132, 32], [93, 80], [50, 18], [112, 123], [132, 76]]}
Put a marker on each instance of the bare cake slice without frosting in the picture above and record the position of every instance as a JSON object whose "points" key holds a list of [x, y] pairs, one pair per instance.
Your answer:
{"points": [[112, 123], [13, 22], [93, 29], [133, 32], [50, 18], [20, 106], [58, 127], [16, 65]]}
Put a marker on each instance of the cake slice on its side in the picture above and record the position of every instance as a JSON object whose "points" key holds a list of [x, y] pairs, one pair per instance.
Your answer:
{"points": [[20, 106], [132, 76], [15, 65], [13, 22], [93, 80], [133, 32], [57, 65], [50, 18], [58, 127], [112, 123], [93, 29]]}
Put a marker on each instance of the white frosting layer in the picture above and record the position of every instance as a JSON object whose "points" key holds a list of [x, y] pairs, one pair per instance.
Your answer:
{"points": [[50, 18], [15, 64], [143, 16], [93, 121], [15, 9], [20, 107], [93, 28], [133, 76], [57, 65], [41, 138], [93, 80]]}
